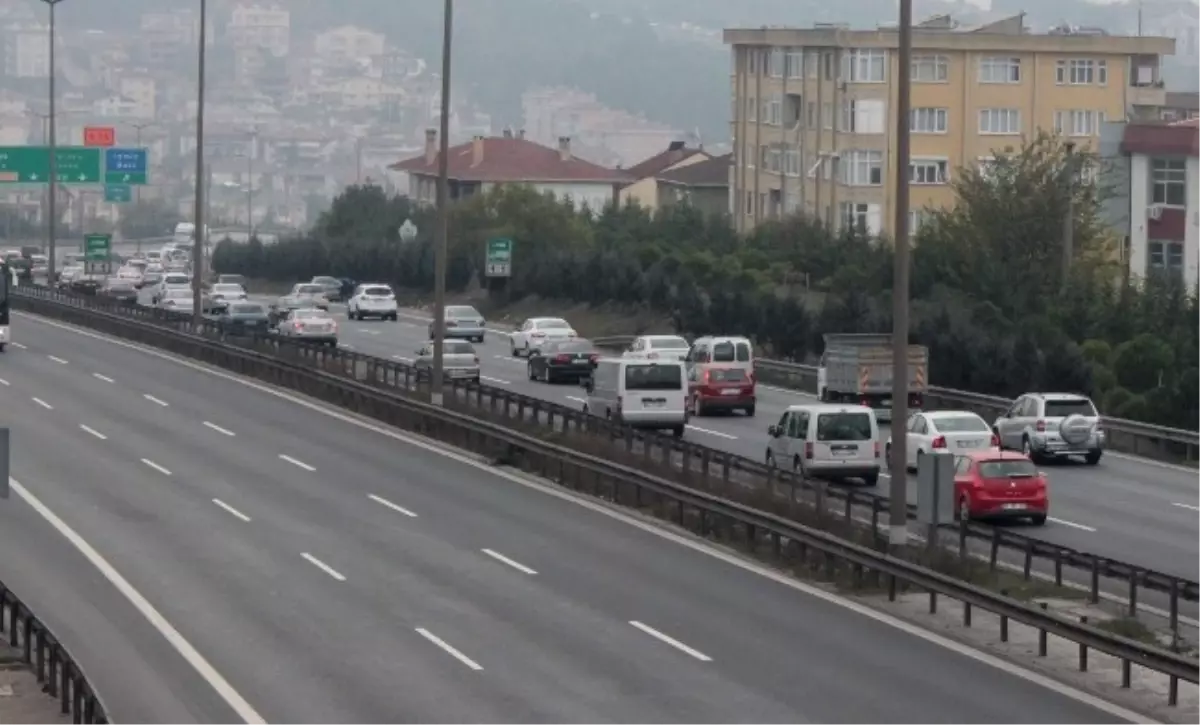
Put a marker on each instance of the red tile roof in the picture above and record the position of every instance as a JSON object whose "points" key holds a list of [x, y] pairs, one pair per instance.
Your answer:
{"points": [[661, 162], [513, 160]]}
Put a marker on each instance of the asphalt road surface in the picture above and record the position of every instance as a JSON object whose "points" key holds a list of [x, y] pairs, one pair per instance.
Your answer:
{"points": [[315, 569], [1126, 508]]}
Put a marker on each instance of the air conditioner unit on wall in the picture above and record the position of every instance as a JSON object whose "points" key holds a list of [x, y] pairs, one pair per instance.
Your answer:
{"points": [[1154, 212]]}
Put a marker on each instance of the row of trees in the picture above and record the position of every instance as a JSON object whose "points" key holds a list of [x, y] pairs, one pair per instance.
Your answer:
{"points": [[988, 297]]}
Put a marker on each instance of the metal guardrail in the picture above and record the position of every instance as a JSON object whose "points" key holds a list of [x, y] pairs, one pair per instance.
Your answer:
{"points": [[735, 476], [60, 675], [384, 394], [1127, 436]]}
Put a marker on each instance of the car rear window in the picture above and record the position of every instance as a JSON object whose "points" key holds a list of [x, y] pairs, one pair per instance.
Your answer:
{"points": [[569, 346], [469, 312], [455, 347], [843, 427], [731, 352], [552, 324], [961, 424], [669, 343], [653, 377], [247, 309], [727, 375], [378, 292], [177, 279], [308, 315], [1072, 406], [310, 289], [1006, 469]]}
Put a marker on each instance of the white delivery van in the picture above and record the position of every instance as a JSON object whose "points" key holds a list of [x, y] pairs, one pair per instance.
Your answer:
{"points": [[640, 393], [827, 440]]}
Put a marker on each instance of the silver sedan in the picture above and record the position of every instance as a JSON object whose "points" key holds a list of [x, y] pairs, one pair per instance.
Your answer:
{"points": [[309, 325], [459, 360]]}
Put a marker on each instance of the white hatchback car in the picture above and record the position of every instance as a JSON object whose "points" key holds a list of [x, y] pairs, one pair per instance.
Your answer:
{"points": [[536, 330], [953, 431], [658, 347]]}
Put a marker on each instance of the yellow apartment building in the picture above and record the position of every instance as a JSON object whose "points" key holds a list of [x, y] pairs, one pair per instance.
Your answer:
{"points": [[813, 109]]}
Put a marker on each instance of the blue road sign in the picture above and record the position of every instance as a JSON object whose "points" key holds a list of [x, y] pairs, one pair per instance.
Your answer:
{"points": [[125, 166]]}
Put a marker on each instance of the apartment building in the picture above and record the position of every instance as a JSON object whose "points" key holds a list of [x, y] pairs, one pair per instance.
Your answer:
{"points": [[260, 27], [813, 109]]}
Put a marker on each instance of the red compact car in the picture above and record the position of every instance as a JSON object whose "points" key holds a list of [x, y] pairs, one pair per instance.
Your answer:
{"points": [[719, 387], [999, 484]]}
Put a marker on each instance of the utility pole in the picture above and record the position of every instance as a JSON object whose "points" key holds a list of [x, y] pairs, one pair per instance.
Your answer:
{"points": [[198, 211], [1068, 242], [898, 488], [443, 213], [52, 201], [137, 190]]}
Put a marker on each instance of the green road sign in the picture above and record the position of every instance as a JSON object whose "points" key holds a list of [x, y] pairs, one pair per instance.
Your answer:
{"points": [[96, 247], [118, 193], [499, 258], [31, 164]]}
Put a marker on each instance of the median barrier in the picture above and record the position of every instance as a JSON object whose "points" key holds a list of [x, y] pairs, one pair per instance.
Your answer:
{"points": [[1127, 436], [61, 677], [375, 391], [713, 471]]}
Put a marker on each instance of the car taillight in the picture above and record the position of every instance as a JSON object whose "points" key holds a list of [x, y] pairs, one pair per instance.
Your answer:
{"points": [[939, 442], [865, 402], [298, 325], [877, 449], [995, 441], [1041, 426], [476, 359], [593, 357], [808, 450], [333, 324], [562, 358], [652, 356], [450, 323], [539, 334]]}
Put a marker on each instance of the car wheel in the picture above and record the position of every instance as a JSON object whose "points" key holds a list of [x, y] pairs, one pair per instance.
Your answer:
{"points": [[697, 408], [963, 511], [394, 318], [678, 431], [871, 480], [512, 346], [750, 411], [546, 375], [770, 459], [1093, 457], [1038, 520], [532, 374], [350, 314], [1027, 449]]}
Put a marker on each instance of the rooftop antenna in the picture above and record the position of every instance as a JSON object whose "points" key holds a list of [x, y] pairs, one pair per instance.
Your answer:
{"points": [[1139, 16]]}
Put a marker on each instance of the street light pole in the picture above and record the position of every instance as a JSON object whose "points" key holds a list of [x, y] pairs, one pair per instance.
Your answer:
{"points": [[443, 213], [52, 201], [198, 210], [137, 190], [898, 509], [250, 187], [1068, 250]]}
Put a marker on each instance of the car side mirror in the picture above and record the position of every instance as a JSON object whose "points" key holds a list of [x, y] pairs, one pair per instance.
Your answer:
{"points": [[773, 431]]}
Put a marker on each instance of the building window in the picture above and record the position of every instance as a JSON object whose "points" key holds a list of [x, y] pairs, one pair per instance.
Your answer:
{"points": [[860, 216], [863, 116], [916, 218], [772, 110], [929, 120], [791, 162], [1078, 122], [1000, 121], [862, 168], [999, 69], [810, 120], [1169, 182], [928, 171], [812, 63], [930, 69], [1165, 257], [752, 61], [827, 114], [776, 69], [751, 109], [795, 64], [1081, 72], [985, 165], [750, 203], [865, 65]]}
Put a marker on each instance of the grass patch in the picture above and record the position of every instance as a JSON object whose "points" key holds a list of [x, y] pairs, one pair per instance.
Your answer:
{"points": [[1129, 628]]}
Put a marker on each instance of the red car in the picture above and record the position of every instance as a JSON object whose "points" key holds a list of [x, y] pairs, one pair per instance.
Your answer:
{"points": [[720, 387], [1000, 484]]}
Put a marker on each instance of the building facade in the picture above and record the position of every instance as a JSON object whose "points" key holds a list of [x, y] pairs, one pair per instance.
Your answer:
{"points": [[813, 110]]}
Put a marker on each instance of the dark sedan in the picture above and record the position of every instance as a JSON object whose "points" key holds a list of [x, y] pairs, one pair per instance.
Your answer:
{"points": [[243, 318], [120, 290], [85, 285], [562, 360]]}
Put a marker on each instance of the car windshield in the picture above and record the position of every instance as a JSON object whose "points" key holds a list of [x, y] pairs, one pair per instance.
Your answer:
{"points": [[552, 325], [455, 347], [727, 375], [227, 288], [843, 427], [325, 281], [729, 352], [1007, 469], [1069, 406], [653, 377], [309, 289], [309, 315], [961, 424], [469, 313], [247, 309], [572, 346], [668, 343], [377, 292]]}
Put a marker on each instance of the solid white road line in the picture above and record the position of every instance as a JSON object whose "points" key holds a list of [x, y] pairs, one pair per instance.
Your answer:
{"points": [[602, 509], [219, 429], [189, 653], [401, 358], [448, 649], [323, 566], [18, 345], [43, 403], [105, 378], [718, 433], [673, 642], [231, 510], [1072, 524], [514, 564], [577, 400], [392, 506], [156, 467], [1187, 506], [344, 346], [294, 462], [153, 399], [498, 381], [94, 432], [3, 382], [58, 360]]}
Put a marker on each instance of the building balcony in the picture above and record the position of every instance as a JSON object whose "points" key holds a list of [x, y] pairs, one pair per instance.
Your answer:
{"points": [[1153, 94]]}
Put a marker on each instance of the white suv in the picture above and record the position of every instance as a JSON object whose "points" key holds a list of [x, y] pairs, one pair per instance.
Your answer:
{"points": [[372, 300], [1052, 425]]}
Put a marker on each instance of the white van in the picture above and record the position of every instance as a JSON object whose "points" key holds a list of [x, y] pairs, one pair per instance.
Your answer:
{"points": [[640, 393], [828, 440]]}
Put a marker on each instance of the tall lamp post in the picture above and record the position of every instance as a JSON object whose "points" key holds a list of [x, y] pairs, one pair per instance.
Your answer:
{"points": [[443, 212], [198, 210], [898, 510], [137, 190], [52, 201]]}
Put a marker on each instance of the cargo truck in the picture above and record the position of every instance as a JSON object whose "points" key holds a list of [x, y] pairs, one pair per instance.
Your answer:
{"points": [[857, 368]]}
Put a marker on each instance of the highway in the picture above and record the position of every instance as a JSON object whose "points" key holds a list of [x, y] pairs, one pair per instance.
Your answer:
{"points": [[321, 569], [1126, 508]]}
